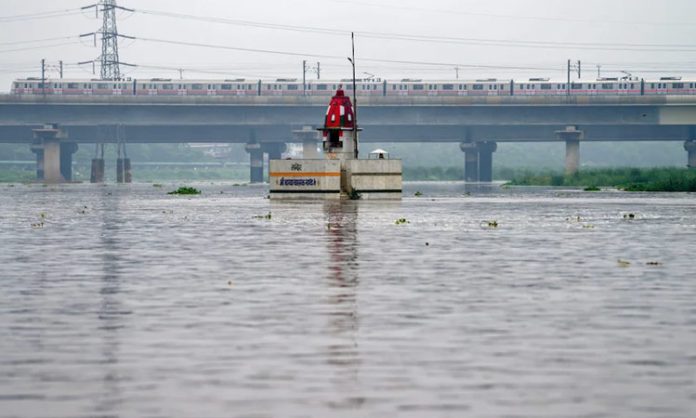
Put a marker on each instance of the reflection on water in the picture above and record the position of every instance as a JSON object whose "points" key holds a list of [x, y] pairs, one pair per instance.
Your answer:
{"points": [[111, 311], [130, 302], [343, 281]]}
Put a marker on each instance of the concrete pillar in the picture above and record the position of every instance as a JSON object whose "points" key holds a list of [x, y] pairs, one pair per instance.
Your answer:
{"points": [[50, 137], [572, 137], [310, 138], [97, 174], [274, 150], [486, 150], [255, 162], [471, 161], [51, 163], [37, 148], [67, 149], [123, 170], [690, 147]]}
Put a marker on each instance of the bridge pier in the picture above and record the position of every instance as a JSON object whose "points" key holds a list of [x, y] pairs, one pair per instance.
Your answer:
{"points": [[274, 150], [572, 137], [67, 149], [97, 174], [37, 148], [255, 163], [471, 161], [310, 138], [690, 147], [50, 142], [486, 150], [123, 166]]}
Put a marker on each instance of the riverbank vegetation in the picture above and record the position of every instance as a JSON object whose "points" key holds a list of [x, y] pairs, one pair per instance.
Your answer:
{"points": [[629, 179]]}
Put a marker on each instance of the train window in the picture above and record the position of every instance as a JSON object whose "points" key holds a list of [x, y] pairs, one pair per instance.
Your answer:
{"points": [[546, 86], [293, 87], [324, 87], [226, 87], [167, 86], [521, 86], [196, 86], [576, 86], [73, 85], [677, 85], [502, 87], [418, 87], [102, 86], [448, 87], [393, 87], [478, 86], [607, 86], [349, 87]]}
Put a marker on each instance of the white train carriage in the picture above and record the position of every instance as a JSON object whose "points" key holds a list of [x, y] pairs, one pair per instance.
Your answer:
{"points": [[409, 87], [33, 86], [282, 87], [669, 86], [540, 87]]}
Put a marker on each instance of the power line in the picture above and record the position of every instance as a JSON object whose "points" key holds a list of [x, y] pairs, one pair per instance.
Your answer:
{"points": [[40, 15], [433, 39], [59, 38]]}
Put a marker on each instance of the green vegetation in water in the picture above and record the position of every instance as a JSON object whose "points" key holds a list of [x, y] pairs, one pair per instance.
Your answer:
{"points": [[401, 221], [628, 179], [592, 189], [354, 195], [492, 224], [418, 194], [185, 191], [267, 216], [157, 185]]}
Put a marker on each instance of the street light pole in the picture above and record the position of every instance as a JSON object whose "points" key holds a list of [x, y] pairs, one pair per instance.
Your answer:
{"points": [[355, 96]]}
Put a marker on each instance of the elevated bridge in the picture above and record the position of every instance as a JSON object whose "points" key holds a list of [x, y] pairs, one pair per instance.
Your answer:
{"points": [[265, 124]]}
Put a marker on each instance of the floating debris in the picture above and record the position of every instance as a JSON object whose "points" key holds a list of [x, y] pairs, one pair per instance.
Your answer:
{"points": [[491, 224], [588, 226], [401, 221], [157, 185], [267, 216], [418, 194], [629, 216], [623, 263], [427, 244], [653, 263], [354, 195], [185, 191]]}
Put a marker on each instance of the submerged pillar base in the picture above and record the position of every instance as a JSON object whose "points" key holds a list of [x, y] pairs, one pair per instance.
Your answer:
{"points": [[471, 161], [486, 150], [97, 173], [123, 171], [690, 147], [255, 162]]}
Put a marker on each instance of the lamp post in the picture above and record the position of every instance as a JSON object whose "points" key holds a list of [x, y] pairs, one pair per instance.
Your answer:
{"points": [[355, 95]]}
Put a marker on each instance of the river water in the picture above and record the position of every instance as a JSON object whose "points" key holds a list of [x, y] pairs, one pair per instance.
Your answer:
{"points": [[122, 301]]}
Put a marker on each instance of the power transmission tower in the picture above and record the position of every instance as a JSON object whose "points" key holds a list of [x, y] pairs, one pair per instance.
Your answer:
{"points": [[109, 59], [110, 69]]}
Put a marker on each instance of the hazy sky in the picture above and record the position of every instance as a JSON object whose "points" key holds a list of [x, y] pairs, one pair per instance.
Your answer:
{"points": [[533, 35]]}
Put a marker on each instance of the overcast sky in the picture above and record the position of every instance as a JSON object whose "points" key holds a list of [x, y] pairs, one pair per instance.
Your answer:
{"points": [[532, 35]]}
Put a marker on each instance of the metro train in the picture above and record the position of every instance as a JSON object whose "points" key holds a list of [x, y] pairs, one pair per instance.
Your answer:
{"points": [[366, 87]]}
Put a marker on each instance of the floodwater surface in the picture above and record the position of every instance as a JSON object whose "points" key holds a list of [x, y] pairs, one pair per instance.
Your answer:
{"points": [[123, 301]]}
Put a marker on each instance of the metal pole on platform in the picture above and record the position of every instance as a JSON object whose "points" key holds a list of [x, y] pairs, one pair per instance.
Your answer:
{"points": [[355, 96]]}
